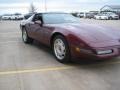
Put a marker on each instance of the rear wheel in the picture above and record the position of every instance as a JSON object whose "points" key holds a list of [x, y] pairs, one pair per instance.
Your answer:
{"points": [[61, 49], [25, 37]]}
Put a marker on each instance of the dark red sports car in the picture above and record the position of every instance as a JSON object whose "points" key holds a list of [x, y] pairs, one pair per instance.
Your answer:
{"points": [[68, 37]]}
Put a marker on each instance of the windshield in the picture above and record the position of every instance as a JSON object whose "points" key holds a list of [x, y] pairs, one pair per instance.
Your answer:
{"points": [[59, 18], [112, 14]]}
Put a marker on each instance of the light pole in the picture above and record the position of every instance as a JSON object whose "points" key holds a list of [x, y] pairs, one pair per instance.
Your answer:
{"points": [[45, 5]]}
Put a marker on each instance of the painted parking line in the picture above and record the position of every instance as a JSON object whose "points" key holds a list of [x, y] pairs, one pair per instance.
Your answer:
{"points": [[104, 64], [52, 68], [35, 70], [10, 33], [100, 64], [7, 42]]}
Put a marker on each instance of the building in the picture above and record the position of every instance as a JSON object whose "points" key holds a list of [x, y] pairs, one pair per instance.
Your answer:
{"points": [[111, 8]]}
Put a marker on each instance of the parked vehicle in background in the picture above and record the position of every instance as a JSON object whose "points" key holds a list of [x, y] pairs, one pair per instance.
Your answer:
{"points": [[86, 15], [0, 17], [26, 16], [118, 13], [112, 15], [6, 17], [74, 14], [94, 12], [13, 17], [81, 14], [17, 16], [101, 16], [89, 15]]}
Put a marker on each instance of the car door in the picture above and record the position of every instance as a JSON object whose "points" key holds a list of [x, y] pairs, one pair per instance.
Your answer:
{"points": [[35, 28], [47, 27]]}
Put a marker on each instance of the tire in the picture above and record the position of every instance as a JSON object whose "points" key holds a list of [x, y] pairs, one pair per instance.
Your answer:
{"points": [[25, 37], [110, 18], [15, 18], [61, 49]]}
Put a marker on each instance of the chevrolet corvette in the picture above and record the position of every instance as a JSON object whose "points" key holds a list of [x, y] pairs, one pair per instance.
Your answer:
{"points": [[69, 38]]}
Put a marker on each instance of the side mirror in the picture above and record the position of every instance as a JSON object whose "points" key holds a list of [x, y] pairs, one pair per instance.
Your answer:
{"points": [[38, 22]]}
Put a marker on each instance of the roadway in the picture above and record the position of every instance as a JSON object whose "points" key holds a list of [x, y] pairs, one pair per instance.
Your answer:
{"points": [[33, 67]]}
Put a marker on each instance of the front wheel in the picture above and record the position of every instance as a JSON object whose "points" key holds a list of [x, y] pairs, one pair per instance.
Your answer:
{"points": [[61, 49], [25, 37], [110, 18]]}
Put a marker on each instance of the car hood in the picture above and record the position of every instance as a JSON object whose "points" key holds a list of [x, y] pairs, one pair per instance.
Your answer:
{"points": [[101, 16], [92, 32]]}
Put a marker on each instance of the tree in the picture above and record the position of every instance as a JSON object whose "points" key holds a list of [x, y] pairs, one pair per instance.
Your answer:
{"points": [[32, 8]]}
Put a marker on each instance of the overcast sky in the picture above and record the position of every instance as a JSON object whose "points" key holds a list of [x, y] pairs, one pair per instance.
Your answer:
{"points": [[12, 6]]}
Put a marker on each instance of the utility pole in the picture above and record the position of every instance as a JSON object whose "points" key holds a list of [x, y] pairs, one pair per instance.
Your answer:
{"points": [[45, 5]]}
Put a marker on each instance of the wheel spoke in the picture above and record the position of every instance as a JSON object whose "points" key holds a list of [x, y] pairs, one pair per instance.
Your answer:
{"points": [[59, 49]]}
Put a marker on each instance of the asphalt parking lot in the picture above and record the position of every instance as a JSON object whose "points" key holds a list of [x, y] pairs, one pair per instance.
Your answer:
{"points": [[33, 67]]}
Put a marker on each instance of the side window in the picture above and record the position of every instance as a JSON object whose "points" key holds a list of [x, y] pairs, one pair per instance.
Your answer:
{"points": [[37, 17], [30, 18]]}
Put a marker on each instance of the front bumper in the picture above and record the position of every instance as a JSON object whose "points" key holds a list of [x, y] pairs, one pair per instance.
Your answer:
{"points": [[85, 55], [116, 52], [115, 18], [104, 18]]}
